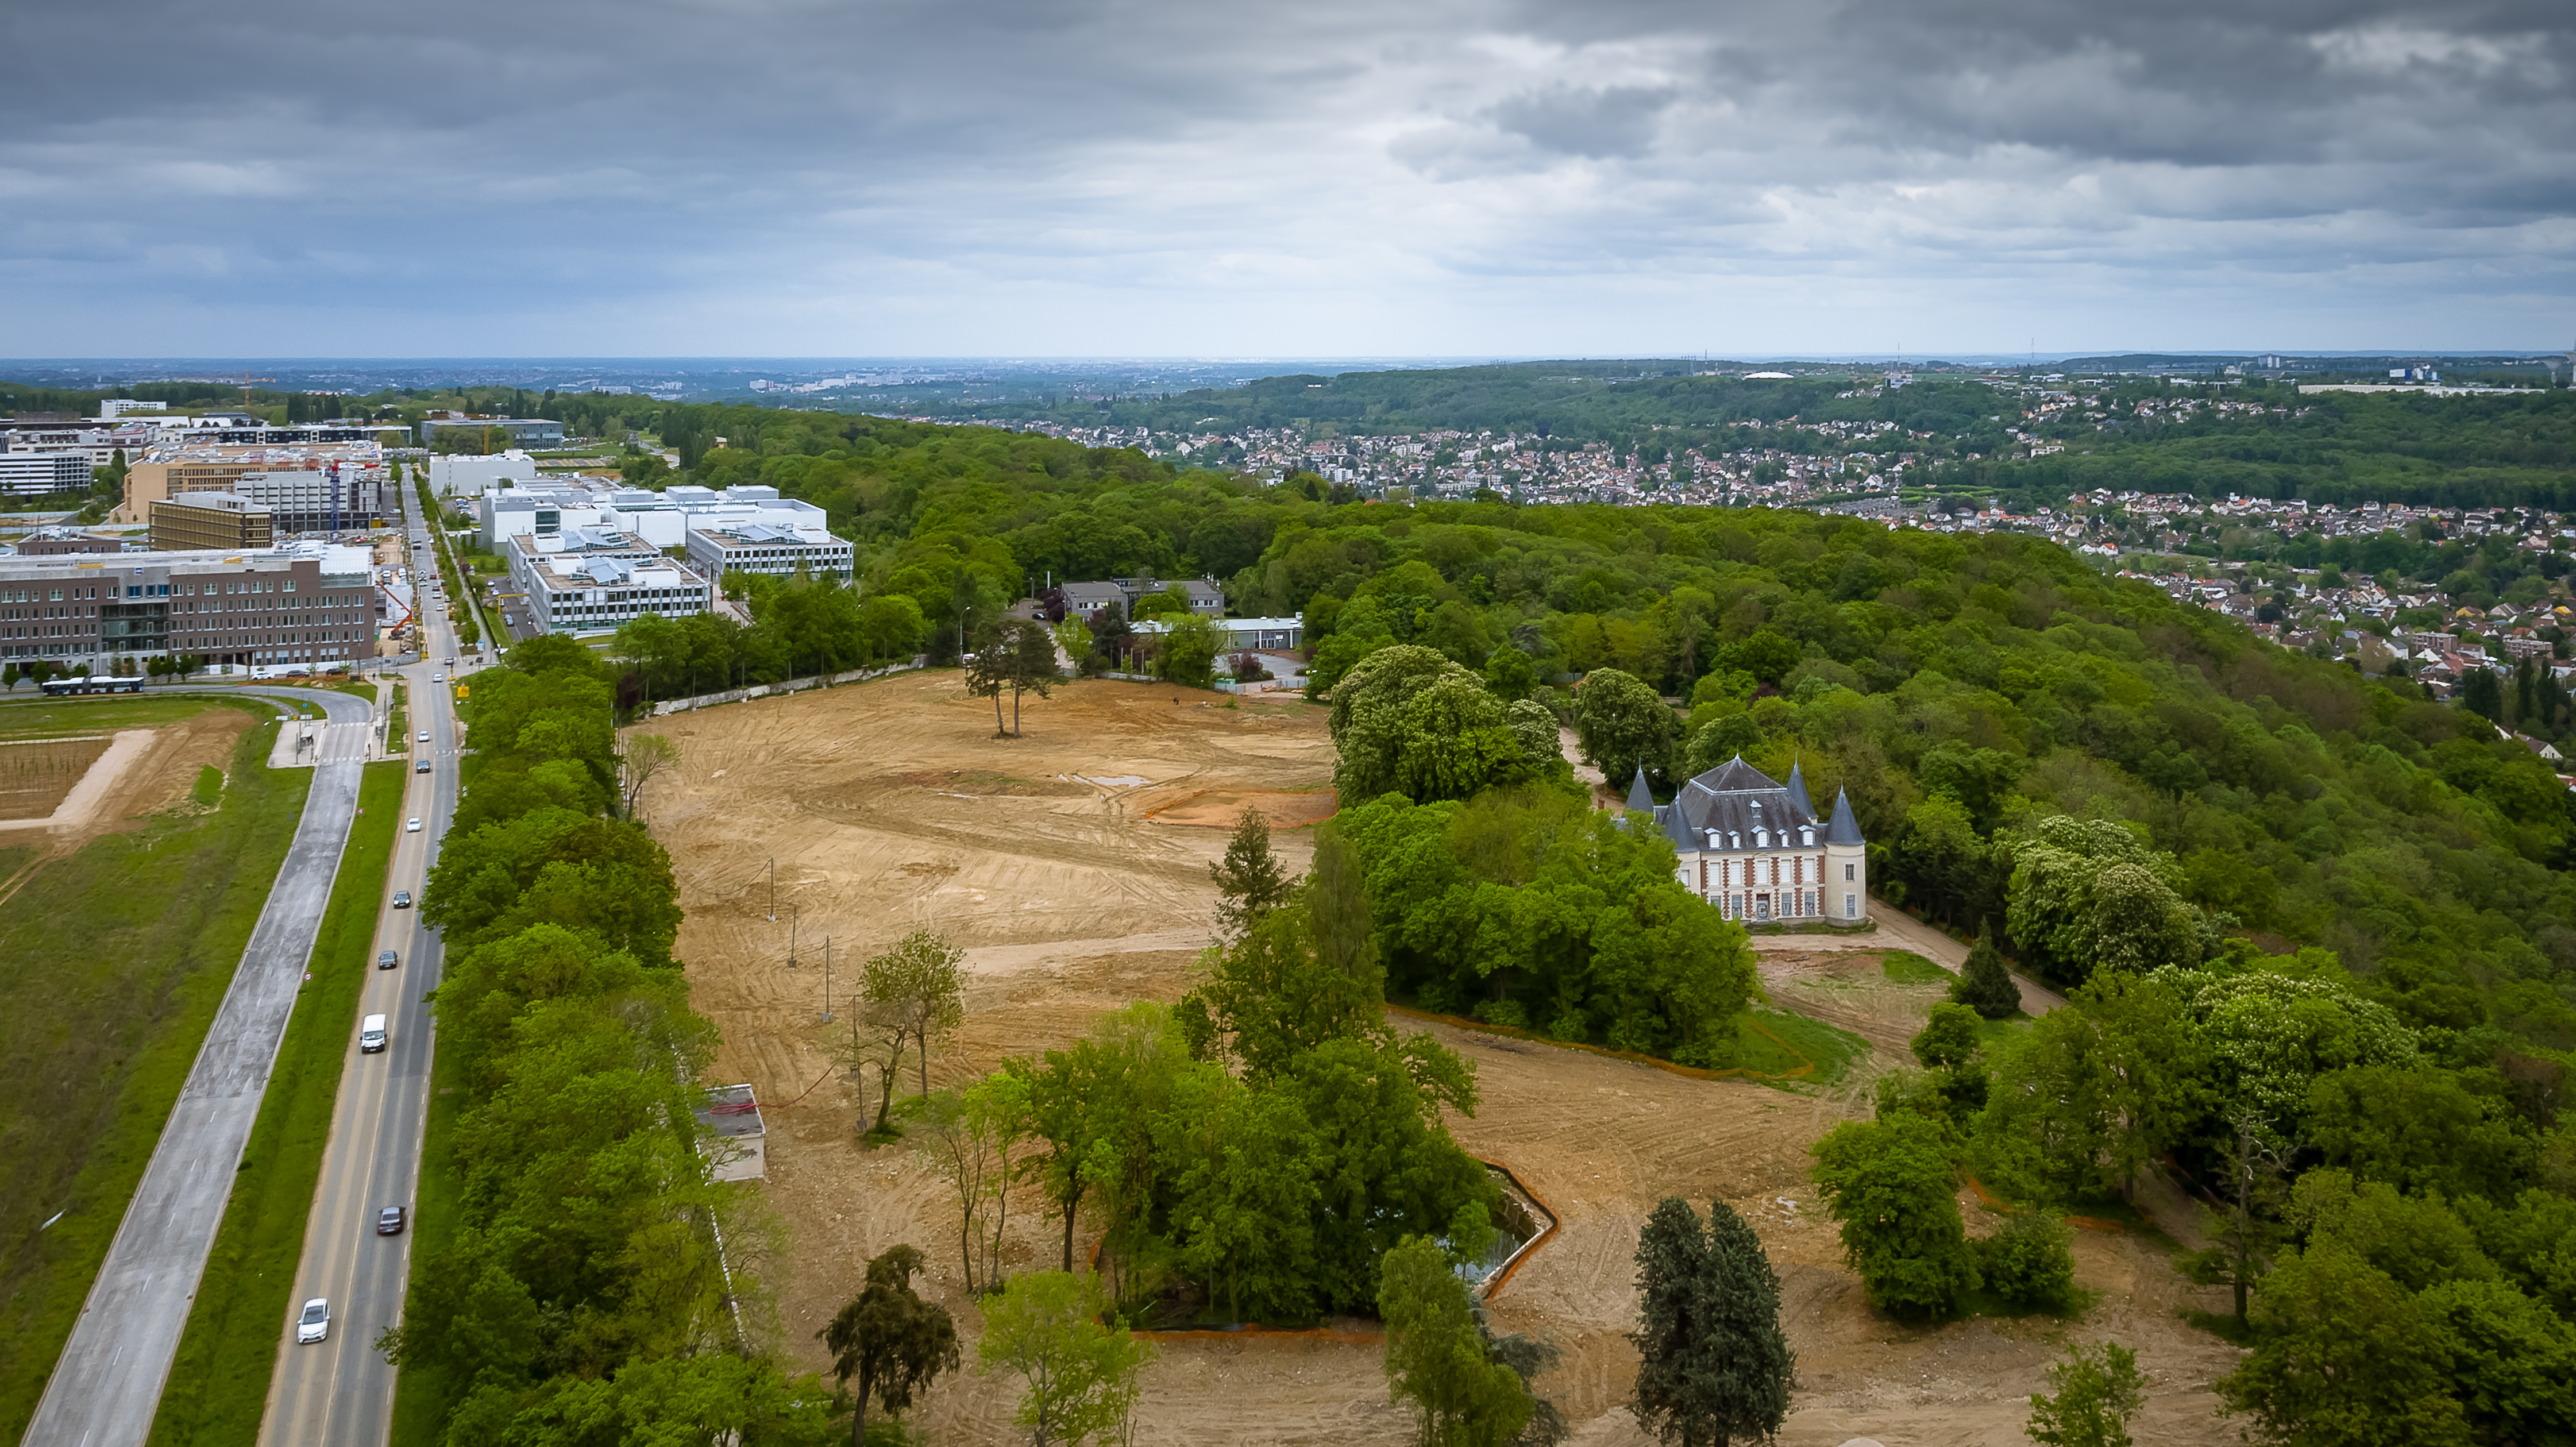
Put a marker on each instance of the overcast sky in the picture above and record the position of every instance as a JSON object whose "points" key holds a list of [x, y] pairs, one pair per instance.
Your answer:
{"points": [[1226, 177]]}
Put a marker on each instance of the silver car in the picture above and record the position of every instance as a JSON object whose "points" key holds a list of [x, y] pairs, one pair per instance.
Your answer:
{"points": [[315, 1323]]}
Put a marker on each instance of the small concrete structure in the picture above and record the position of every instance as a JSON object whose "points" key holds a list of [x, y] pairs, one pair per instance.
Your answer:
{"points": [[736, 1142]]}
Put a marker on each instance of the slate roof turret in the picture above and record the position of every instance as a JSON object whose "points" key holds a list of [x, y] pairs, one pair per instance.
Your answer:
{"points": [[1798, 792], [1844, 829]]}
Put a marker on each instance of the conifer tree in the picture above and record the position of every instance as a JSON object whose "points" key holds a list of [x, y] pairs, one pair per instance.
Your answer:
{"points": [[1250, 882], [1716, 1366], [1985, 986]]}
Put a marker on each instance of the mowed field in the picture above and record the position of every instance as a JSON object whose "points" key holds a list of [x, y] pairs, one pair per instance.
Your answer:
{"points": [[1072, 864], [119, 931]]}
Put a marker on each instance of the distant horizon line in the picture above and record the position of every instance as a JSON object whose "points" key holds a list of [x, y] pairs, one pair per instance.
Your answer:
{"points": [[1204, 359]]}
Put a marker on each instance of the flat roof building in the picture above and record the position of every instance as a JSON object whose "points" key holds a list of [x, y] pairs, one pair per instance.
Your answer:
{"points": [[203, 520], [522, 431], [54, 542], [585, 579], [762, 547], [168, 472], [304, 604], [43, 474]]}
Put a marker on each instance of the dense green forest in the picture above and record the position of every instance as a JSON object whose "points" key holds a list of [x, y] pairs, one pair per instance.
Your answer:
{"points": [[2317, 929]]}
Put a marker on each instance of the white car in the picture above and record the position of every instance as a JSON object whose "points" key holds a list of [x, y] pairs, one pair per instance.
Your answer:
{"points": [[315, 1323], [424, 736], [438, 678], [412, 828]]}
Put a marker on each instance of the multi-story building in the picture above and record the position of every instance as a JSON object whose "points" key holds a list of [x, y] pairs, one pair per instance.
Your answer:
{"points": [[760, 547], [54, 542], [304, 604], [523, 431], [207, 520], [166, 472], [1755, 848], [662, 519], [587, 579], [43, 474], [334, 497], [465, 475]]}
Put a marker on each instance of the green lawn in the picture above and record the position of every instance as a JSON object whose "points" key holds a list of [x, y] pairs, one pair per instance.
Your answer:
{"points": [[230, 1349], [1908, 968], [41, 718], [1777, 1042], [117, 959]]}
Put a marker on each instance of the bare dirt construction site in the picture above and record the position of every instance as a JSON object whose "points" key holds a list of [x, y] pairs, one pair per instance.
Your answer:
{"points": [[1073, 865], [65, 780]]}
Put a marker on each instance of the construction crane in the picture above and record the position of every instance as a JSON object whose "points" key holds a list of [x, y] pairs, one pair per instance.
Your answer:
{"points": [[246, 380]]}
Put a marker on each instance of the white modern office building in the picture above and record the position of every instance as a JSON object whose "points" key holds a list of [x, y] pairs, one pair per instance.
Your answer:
{"points": [[587, 579], [773, 548]]}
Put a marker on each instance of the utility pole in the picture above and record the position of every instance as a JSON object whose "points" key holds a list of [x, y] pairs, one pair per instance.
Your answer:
{"points": [[773, 891], [827, 979], [792, 914]]}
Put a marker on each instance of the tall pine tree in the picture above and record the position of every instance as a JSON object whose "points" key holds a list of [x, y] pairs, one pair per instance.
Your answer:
{"points": [[1985, 986], [1716, 1367]]}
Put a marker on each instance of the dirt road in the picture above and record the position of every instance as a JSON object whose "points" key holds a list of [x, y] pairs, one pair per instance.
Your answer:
{"points": [[1072, 864]]}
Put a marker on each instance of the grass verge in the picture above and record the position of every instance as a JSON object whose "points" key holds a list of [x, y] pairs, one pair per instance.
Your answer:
{"points": [[118, 957], [423, 1397], [230, 1348]]}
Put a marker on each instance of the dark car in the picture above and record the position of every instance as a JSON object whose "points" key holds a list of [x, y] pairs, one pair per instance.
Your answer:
{"points": [[421, 768], [402, 899], [387, 959], [389, 1221]]}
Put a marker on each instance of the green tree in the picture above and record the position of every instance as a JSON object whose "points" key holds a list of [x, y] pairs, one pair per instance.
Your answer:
{"points": [[1032, 663], [2098, 1389], [909, 995], [2085, 894], [1437, 1358], [2241, 1244], [892, 1341], [1623, 726], [2027, 1263], [968, 1137], [2343, 1358], [1302, 975], [1078, 1373], [1188, 653], [1891, 1186], [891, 627], [2511, 1360], [989, 669], [1949, 1040], [1407, 720], [1985, 985], [1509, 674], [1249, 881], [1714, 1366]]}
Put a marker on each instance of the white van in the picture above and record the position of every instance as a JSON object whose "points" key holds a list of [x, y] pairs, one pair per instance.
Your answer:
{"points": [[371, 1034]]}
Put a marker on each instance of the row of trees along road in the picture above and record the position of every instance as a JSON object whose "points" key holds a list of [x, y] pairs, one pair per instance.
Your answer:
{"points": [[597, 1285]]}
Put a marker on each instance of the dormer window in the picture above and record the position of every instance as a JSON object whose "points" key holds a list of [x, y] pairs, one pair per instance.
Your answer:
{"points": [[1807, 837], [1761, 838]]}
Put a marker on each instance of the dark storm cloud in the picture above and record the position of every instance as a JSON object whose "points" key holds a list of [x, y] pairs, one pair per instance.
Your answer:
{"points": [[1131, 174]]}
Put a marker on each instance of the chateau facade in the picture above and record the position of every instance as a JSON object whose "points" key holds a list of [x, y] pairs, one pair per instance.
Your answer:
{"points": [[1756, 849]]}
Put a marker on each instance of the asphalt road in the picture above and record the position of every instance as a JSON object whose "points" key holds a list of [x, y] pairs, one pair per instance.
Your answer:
{"points": [[107, 1383], [339, 1391]]}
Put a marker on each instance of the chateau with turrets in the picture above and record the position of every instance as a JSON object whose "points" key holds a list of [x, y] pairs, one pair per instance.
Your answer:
{"points": [[1756, 848]]}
